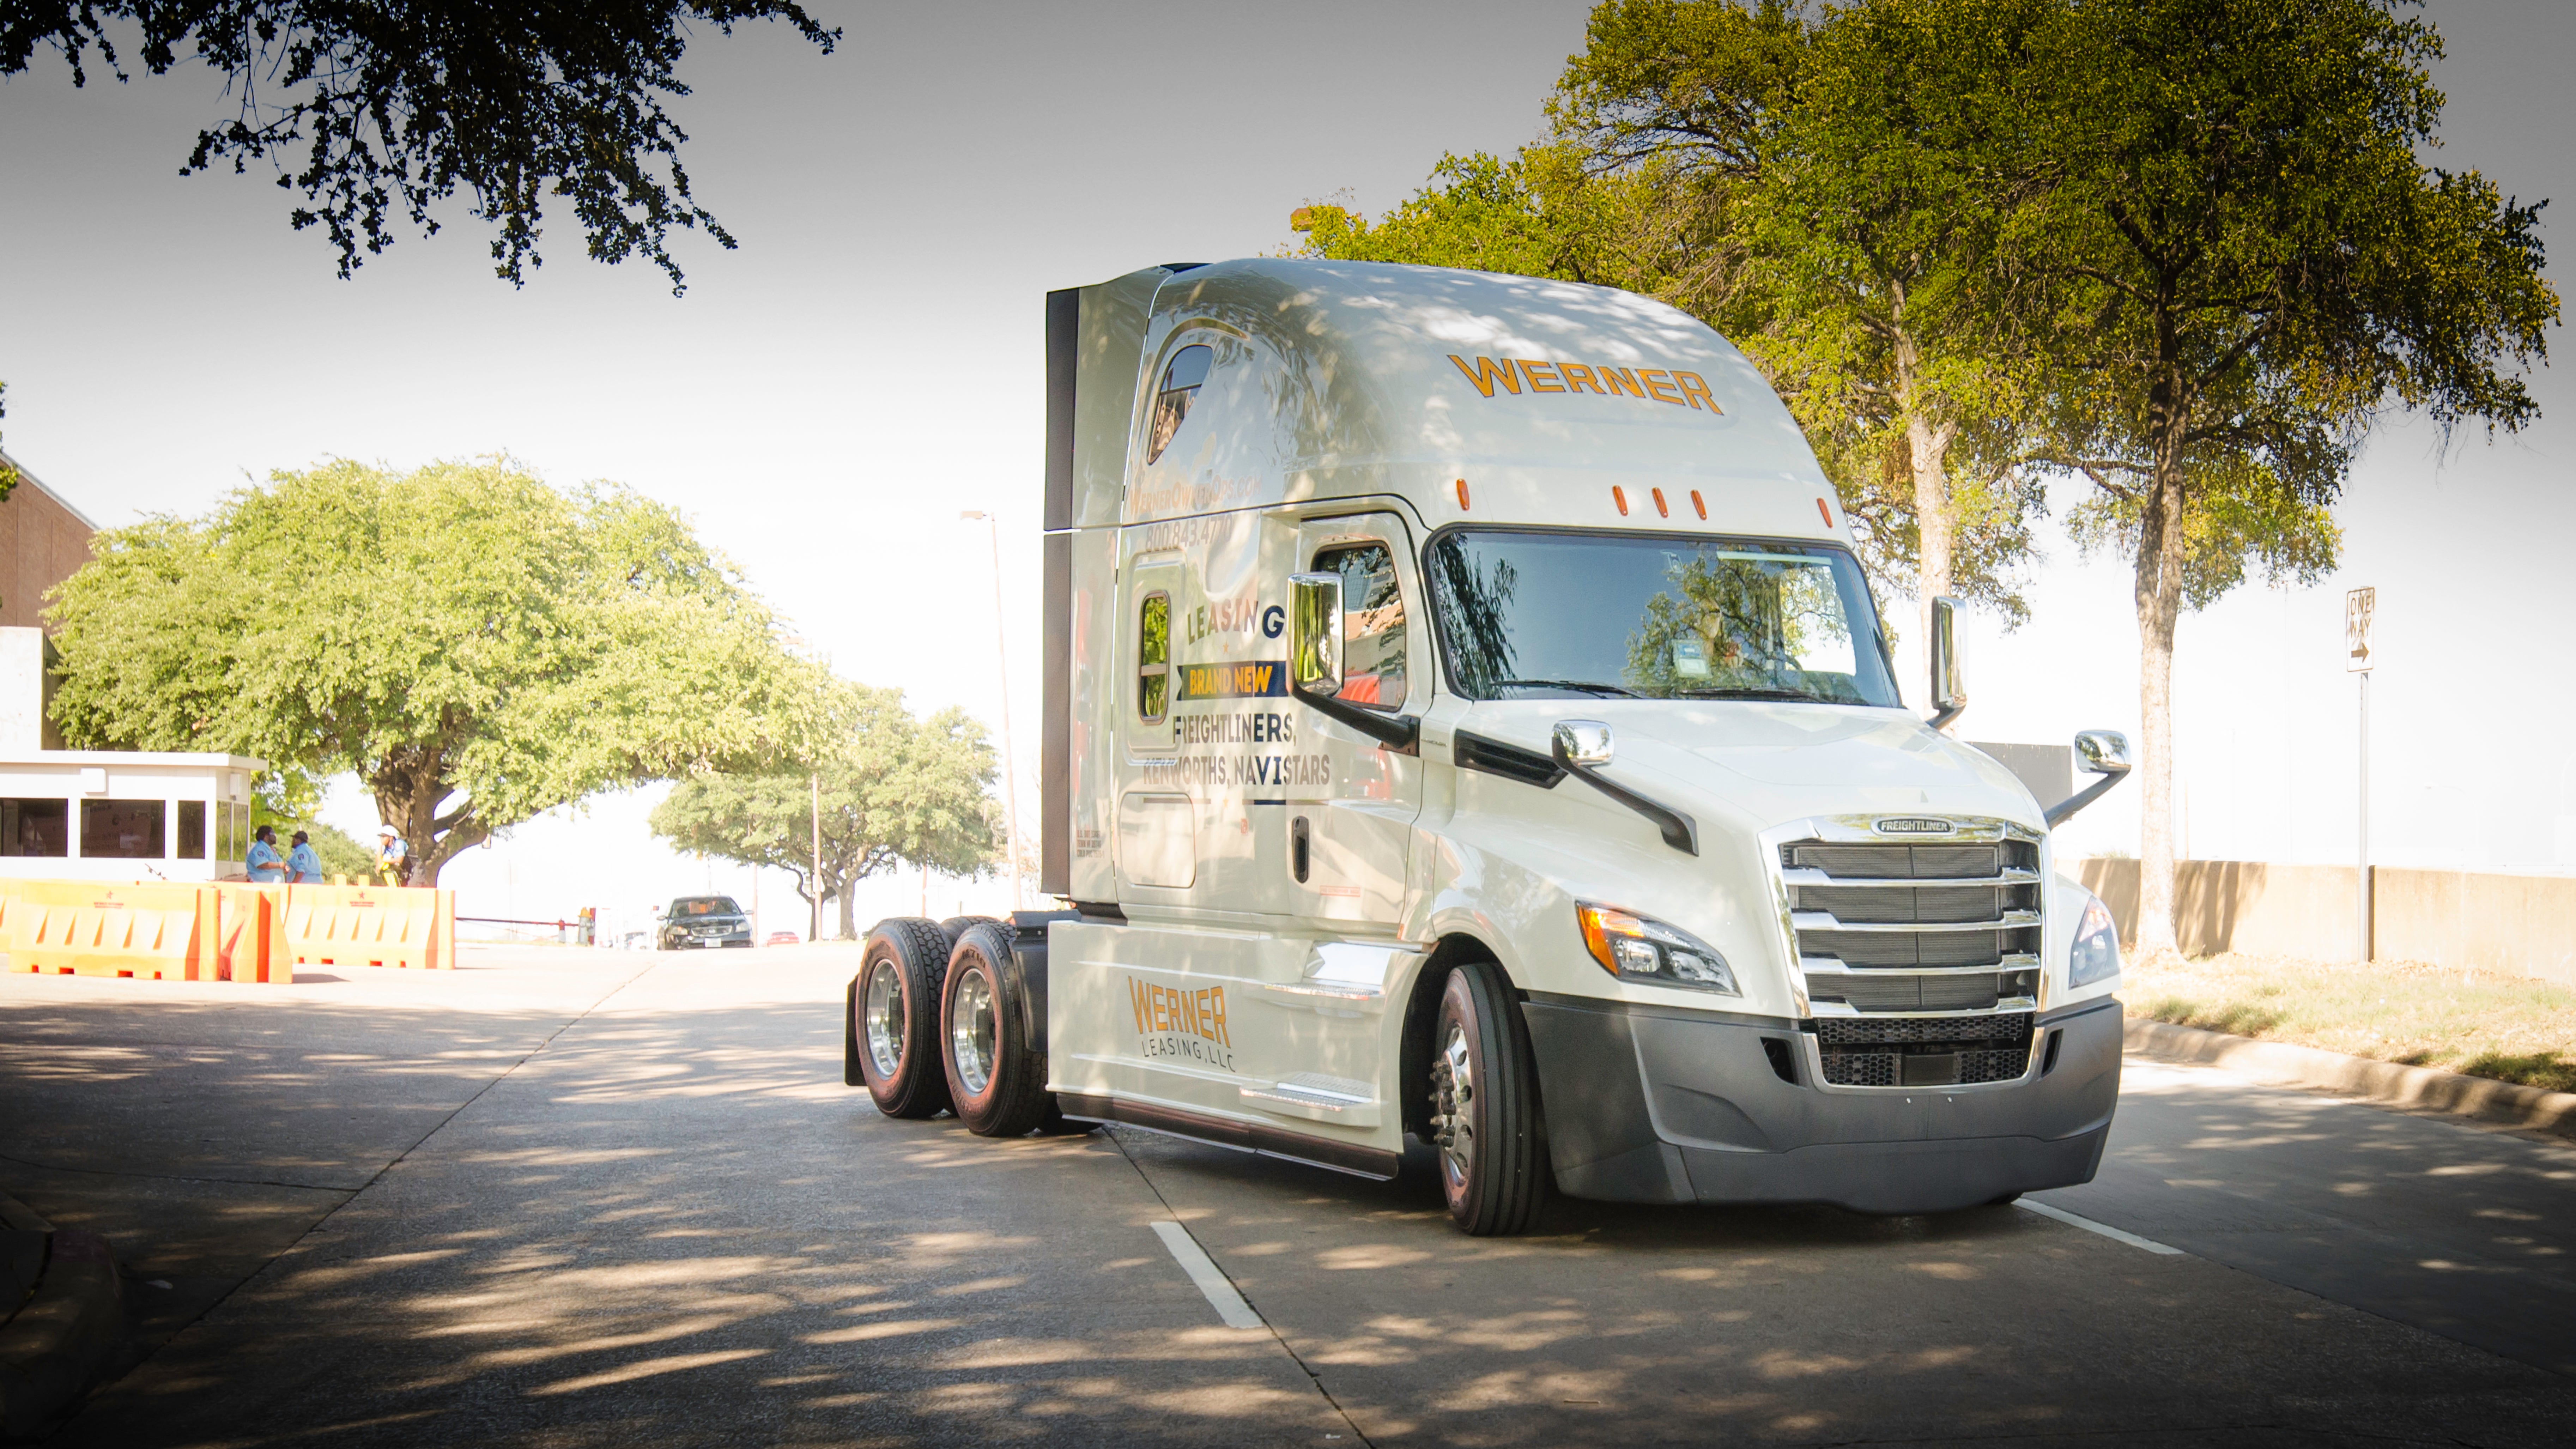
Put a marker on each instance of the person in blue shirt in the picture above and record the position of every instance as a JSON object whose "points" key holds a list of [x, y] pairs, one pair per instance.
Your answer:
{"points": [[303, 864], [267, 867]]}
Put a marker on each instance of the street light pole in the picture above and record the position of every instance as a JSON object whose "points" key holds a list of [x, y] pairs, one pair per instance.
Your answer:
{"points": [[1010, 757], [816, 933]]}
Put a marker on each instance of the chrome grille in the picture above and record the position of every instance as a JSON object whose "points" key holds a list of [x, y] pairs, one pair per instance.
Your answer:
{"points": [[1866, 905], [1882, 906], [1887, 926]]}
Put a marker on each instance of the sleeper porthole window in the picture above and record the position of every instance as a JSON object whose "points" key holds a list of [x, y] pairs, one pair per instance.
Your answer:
{"points": [[1181, 379], [1154, 657]]}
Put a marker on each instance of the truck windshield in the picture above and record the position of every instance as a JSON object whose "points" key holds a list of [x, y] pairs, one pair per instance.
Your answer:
{"points": [[1592, 615]]}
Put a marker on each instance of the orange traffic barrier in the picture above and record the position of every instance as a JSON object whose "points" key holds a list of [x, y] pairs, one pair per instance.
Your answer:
{"points": [[243, 927], [368, 926], [77, 928]]}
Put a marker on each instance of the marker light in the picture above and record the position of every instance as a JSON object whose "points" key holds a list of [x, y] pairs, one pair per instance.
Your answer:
{"points": [[1640, 948]]}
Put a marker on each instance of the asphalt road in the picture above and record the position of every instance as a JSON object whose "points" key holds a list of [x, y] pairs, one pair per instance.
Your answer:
{"points": [[570, 1198]]}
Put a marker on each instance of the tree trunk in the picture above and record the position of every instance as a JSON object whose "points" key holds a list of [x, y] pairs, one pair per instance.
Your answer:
{"points": [[849, 922], [409, 788], [2159, 602]]}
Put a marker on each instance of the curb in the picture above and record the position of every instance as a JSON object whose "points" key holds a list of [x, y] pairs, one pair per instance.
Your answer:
{"points": [[55, 1341], [2426, 1088]]}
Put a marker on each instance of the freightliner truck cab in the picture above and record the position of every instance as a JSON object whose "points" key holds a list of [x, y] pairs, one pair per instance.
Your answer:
{"points": [[1466, 721]]}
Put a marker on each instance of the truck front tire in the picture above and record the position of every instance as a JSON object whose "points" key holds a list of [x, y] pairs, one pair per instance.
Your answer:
{"points": [[1484, 1105], [997, 1083], [894, 1017]]}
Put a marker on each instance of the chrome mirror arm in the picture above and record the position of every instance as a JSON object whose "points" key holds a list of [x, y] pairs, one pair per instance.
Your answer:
{"points": [[2064, 810], [1401, 733], [2104, 753], [1680, 831]]}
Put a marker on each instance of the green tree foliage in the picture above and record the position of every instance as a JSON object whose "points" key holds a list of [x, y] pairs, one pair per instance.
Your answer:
{"points": [[384, 109], [892, 789], [1539, 214], [1730, 159], [475, 646], [1873, 300], [2228, 253]]}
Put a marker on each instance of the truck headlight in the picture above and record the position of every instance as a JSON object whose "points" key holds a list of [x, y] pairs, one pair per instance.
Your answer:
{"points": [[1639, 948], [2096, 956]]}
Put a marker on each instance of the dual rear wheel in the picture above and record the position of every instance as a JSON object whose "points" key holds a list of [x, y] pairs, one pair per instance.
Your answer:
{"points": [[938, 1023]]}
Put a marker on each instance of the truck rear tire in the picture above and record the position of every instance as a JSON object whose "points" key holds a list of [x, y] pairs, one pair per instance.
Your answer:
{"points": [[955, 926], [1484, 1105], [997, 1084], [894, 1017]]}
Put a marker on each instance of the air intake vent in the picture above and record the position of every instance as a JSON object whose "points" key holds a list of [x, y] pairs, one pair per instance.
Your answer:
{"points": [[1925, 1051]]}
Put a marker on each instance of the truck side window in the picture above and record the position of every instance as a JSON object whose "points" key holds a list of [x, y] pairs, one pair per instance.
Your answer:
{"points": [[1372, 623], [1153, 657], [1181, 379]]}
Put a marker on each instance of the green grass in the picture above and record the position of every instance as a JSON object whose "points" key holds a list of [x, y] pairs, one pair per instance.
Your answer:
{"points": [[2508, 1028]]}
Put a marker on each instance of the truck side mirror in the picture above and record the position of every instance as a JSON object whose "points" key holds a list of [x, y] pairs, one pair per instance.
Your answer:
{"points": [[1585, 741], [1315, 633], [2097, 752], [2102, 752], [1949, 691]]}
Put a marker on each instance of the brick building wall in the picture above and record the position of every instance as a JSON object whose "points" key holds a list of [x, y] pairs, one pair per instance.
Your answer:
{"points": [[42, 540]]}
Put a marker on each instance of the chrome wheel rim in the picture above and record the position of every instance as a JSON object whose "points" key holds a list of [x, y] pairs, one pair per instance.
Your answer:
{"points": [[1453, 1094], [970, 1032], [882, 1017]]}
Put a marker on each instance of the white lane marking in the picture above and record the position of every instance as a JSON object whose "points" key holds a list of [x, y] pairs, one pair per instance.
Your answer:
{"points": [[2105, 1229], [1229, 1305]]}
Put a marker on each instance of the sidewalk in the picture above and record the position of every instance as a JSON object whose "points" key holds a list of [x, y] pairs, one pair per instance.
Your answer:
{"points": [[62, 1313]]}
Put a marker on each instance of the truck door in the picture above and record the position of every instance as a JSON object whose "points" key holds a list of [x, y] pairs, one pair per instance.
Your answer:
{"points": [[1351, 833]]}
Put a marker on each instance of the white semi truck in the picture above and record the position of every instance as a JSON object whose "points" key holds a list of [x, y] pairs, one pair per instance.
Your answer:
{"points": [[1466, 721]]}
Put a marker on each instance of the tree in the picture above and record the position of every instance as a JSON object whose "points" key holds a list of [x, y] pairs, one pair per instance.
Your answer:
{"points": [[1539, 214], [393, 107], [1837, 260], [892, 790], [476, 646], [2223, 244], [1874, 300], [1728, 158]]}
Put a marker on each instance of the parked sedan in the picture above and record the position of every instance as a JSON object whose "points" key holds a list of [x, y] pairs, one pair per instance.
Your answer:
{"points": [[782, 938], [704, 921]]}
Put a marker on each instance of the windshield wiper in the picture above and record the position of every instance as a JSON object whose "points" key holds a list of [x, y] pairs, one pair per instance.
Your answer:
{"points": [[1582, 684], [1751, 693]]}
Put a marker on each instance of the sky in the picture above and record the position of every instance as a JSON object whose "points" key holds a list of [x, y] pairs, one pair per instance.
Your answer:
{"points": [[825, 401]]}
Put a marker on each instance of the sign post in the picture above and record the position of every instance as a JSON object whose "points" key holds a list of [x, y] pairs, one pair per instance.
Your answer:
{"points": [[2358, 607]]}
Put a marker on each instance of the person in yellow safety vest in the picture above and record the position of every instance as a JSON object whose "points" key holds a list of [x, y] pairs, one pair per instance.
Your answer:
{"points": [[393, 858]]}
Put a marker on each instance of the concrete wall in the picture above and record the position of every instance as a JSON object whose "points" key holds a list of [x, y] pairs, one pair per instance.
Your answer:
{"points": [[2522, 925], [42, 541]]}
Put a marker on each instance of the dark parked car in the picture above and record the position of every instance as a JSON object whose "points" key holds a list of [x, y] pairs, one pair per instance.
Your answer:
{"points": [[704, 921]]}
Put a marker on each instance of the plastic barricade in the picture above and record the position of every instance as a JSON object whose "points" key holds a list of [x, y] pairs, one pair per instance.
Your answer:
{"points": [[244, 922], [80, 928], [369, 926]]}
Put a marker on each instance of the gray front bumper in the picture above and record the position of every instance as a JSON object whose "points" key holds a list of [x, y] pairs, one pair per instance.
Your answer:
{"points": [[1655, 1105]]}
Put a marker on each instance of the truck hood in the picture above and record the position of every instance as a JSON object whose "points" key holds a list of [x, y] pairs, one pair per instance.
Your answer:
{"points": [[1775, 762]]}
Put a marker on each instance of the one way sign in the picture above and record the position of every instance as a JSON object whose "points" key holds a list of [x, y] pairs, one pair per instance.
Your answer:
{"points": [[2358, 606]]}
